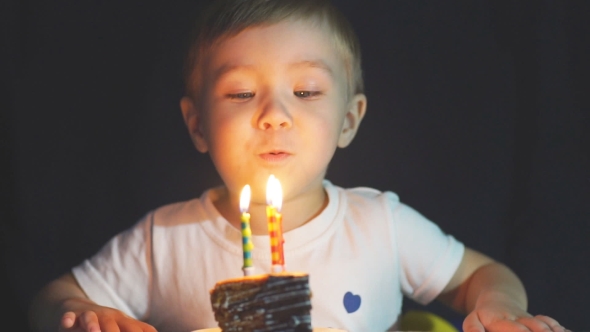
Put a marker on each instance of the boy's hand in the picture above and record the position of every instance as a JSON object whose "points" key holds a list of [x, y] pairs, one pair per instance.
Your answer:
{"points": [[493, 298], [507, 317], [89, 317]]}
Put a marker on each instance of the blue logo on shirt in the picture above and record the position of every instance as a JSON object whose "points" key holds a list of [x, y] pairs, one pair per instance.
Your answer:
{"points": [[351, 302]]}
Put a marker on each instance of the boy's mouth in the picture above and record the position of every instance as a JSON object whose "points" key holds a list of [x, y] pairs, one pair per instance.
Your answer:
{"points": [[275, 156]]}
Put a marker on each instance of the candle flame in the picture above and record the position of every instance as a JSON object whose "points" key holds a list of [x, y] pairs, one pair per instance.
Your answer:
{"points": [[245, 198], [274, 192]]}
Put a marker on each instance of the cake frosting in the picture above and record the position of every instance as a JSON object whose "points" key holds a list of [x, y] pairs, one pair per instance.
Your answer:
{"points": [[263, 303]]}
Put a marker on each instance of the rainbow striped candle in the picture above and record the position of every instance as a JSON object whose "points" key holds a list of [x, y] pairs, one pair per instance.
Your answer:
{"points": [[274, 197], [247, 245]]}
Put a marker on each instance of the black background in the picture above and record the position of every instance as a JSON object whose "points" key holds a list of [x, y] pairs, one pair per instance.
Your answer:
{"points": [[478, 117]]}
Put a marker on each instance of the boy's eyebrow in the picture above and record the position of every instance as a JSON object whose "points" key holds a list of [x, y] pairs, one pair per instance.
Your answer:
{"points": [[226, 68], [316, 63]]}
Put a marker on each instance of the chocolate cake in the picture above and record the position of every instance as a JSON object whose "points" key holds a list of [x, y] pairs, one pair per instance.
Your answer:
{"points": [[261, 303]]}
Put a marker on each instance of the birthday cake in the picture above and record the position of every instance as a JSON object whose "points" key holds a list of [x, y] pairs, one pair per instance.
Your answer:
{"points": [[267, 302]]}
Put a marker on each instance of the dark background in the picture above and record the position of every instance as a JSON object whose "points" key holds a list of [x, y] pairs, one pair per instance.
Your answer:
{"points": [[478, 117]]}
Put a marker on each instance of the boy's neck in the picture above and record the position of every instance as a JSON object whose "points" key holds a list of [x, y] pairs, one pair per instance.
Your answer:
{"points": [[296, 211]]}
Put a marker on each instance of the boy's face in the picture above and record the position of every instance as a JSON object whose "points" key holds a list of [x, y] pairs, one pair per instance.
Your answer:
{"points": [[275, 101]]}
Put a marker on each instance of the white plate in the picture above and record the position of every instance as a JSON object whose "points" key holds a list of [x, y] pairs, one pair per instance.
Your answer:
{"points": [[315, 329]]}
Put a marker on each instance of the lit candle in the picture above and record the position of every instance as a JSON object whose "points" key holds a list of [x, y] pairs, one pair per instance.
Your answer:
{"points": [[246, 231], [274, 198]]}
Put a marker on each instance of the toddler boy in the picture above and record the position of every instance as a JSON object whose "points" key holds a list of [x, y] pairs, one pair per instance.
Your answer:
{"points": [[274, 87]]}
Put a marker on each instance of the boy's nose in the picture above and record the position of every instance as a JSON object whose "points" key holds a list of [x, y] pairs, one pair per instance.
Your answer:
{"points": [[274, 115]]}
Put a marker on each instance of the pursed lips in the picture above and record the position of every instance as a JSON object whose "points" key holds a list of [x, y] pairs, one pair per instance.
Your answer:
{"points": [[275, 155]]}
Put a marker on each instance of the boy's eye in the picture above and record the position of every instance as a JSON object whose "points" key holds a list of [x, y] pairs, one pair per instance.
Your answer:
{"points": [[307, 94], [241, 95]]}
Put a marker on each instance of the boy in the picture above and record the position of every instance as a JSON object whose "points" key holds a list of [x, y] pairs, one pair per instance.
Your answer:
{"points": [[274, 87]]}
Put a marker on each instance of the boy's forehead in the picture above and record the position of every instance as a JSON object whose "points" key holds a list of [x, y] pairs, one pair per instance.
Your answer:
{"points": [[292, 44]]}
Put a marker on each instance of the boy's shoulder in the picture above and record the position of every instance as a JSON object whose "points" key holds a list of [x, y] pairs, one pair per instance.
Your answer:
{"points": [[363, 191], [365, 195]]}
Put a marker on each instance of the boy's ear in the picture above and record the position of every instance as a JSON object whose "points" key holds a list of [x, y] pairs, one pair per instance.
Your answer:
{"points": [[352, 120], [193, 122]]}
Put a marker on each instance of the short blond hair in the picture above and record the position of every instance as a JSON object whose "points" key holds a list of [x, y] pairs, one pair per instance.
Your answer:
{"points": [[227, 18]]}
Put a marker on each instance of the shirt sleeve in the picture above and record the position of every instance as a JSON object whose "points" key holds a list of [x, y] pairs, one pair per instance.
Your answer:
{"points": [[428, 257], [118, 275]]}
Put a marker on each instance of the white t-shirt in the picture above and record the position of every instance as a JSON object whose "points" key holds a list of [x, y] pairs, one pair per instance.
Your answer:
{"points": [[363, 253]]}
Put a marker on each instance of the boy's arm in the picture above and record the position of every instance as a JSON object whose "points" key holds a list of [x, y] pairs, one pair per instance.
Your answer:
{"points": [[45, 310], [62, 305], [493, 297]]}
